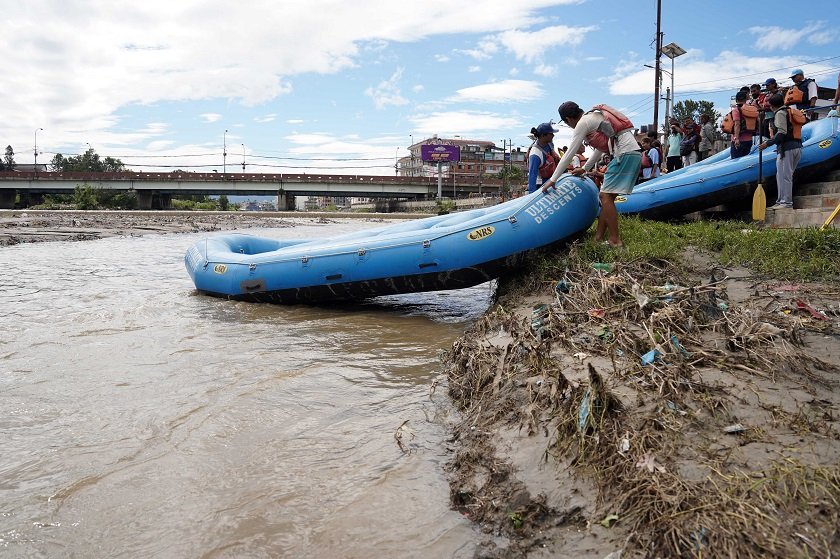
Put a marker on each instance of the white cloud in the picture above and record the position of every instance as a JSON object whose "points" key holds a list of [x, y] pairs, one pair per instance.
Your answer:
{"points": [[473, 69], [441, 58], [295, 121], [531, 46], [772, 38], [463, 122], [387, 92], [210, 117], [507, 91], [545, 70], [728, 70], [266, 118]]}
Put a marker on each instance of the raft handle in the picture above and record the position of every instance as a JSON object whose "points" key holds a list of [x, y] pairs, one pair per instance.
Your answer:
{"points": [[427, 244], [512, 219], [252, 267], [333, 277], [428, 264]]}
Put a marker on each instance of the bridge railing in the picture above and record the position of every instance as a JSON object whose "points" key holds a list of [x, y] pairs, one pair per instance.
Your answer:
{"points": [[183, 176]]}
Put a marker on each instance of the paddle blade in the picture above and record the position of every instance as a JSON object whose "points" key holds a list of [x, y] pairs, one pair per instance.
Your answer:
{"points": [[759, 203]]}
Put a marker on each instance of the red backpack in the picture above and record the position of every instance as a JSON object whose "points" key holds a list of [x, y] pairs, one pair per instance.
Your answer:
{"points": [[617, 120]]}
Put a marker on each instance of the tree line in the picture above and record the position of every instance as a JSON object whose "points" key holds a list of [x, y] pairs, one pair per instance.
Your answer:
{"points": [[89, 161]]}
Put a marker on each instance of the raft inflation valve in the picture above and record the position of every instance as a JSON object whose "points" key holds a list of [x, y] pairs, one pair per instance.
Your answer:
{"points": [[304, 259], [362, 252], [512, 219]]}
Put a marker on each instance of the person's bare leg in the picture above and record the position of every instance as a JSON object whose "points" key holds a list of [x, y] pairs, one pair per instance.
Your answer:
{"points": [[609, 216]]}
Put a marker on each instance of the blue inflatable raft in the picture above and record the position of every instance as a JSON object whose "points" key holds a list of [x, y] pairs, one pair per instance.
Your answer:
{"points": [[443, 252], [721, 180]]}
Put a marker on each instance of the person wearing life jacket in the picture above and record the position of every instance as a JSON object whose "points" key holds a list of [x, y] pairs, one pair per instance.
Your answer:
{"points": [[579, 160], [542, 159], [741, 136], [806, 96], [787, 137], [607, 131]]}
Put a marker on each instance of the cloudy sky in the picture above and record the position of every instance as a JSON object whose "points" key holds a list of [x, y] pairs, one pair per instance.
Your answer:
{"points": [[344, 86]]}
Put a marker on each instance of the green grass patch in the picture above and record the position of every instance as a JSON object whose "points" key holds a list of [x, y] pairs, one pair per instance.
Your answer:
{"points": [[793, 254]]}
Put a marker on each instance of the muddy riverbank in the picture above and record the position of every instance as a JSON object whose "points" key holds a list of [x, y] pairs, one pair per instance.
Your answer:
{"points": [[30, 226], [651, 409]]}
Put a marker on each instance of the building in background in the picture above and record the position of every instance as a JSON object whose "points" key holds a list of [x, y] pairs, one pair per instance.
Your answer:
{"points": [[480, 160]]}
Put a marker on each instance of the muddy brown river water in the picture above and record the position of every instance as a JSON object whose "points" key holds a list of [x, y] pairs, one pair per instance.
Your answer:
{"points": [[140, 419]]}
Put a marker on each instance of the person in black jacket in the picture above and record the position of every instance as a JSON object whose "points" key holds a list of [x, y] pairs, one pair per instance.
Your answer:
{"points": [[788, 151]]}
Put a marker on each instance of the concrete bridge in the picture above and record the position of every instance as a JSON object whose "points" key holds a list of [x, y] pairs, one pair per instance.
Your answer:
{"points": [[155, 190]]}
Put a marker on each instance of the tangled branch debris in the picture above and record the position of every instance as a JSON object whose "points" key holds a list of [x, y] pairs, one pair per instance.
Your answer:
{"points": [[708, 425]]}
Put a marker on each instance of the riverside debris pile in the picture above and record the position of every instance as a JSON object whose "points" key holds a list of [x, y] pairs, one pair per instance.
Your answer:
{"points": [[704, 425]]}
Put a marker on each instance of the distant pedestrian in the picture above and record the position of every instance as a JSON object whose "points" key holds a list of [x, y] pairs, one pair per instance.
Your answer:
{"points": [[690, 141], [650, 161], [787, 137], [608, 131], [542, 159], [707, 137], [674, 159]]}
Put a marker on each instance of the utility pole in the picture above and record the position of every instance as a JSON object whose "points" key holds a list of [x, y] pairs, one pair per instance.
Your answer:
{"points": [[657, 77]]}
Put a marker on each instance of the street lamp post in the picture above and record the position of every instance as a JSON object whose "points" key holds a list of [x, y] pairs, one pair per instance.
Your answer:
{"points": [[224, 154], [36, 150], [243, 158], [672, 50]]}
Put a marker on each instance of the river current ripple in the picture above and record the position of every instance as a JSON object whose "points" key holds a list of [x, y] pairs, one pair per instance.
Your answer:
{"points": [[140, 419]]}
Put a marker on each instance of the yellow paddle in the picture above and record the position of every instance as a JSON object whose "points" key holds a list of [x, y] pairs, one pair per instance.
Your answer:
{"points": [[759, 199], [831, 217]]}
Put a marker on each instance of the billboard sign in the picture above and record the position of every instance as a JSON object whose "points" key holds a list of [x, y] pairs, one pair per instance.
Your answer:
{"points": [[439, 153]]}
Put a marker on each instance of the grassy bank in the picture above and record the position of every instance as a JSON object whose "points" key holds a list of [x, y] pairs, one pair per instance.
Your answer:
{"points": [[793, 254]]}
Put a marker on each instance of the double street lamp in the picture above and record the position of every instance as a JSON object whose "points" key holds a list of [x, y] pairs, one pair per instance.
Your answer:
{"points": [[672, 50]]}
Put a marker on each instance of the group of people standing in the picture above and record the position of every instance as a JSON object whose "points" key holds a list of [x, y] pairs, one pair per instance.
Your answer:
{"points": [[620, 161]]}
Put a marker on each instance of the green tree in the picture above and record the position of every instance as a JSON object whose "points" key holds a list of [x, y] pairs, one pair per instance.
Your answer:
{"points": [[693, 109], [9, 159], [89, 161], [84, 197], [510, 174], [224, 203]]}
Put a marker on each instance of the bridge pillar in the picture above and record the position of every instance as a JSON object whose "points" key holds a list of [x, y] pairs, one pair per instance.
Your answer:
{"points": [[144, 199], [7, 198], [165, 201], [285, 202]]}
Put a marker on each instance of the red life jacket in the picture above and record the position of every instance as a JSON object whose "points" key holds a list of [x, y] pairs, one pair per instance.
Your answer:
{"points": [[617, 120], [581, 159]]}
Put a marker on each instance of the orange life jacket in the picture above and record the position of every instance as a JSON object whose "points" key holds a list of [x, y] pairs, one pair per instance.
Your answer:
{"points": [[617, 120], [796, 119], [749, 119], [581, 159]]}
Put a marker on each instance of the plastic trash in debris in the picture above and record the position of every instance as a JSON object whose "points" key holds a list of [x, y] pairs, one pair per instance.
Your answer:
{"points": [[583, 411], [602, 266], [538, 320], [679, 347], [803, 306], [605, 334], [674, 408], [641, 297], [609, 520], [734, 429], [562, 286], [597, 313], [651, 356]]}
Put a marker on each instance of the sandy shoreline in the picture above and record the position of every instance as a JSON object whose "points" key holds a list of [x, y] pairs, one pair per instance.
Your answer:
{"points": [[32, 226]]}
